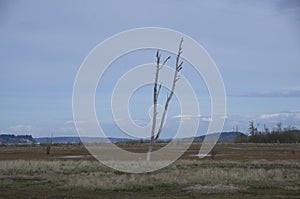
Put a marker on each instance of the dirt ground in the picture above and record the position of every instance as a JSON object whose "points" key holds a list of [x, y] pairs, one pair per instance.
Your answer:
{"points": [[234, 152]]}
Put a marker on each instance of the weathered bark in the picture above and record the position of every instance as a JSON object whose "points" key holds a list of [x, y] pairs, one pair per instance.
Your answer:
{"points": [[156, 90], [175, 79], [155, 97]]}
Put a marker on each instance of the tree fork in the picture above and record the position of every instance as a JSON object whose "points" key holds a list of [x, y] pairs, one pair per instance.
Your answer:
{"points": [[156, 91]]}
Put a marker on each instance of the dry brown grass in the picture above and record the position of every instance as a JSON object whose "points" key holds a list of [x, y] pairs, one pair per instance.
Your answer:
{"points": [[260, 177], [184, 173]]}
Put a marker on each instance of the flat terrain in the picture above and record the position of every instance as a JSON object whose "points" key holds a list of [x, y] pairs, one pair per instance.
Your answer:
{"points": [[235, 152], [235, 171]]}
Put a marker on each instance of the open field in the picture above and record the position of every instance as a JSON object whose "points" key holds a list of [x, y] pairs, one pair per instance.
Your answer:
{"points": [[237, 171], [235, 152]]}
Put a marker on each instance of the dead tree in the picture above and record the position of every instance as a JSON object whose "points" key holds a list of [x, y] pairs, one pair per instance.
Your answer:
{"points": [[48, 145], [156, 91]]}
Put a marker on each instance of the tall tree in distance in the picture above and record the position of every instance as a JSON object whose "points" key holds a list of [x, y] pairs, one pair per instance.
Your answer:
{"points": [[156, 90], [252, 129]]}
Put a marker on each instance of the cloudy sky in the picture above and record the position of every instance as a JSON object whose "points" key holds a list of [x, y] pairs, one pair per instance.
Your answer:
{"points": [[255, 44]]}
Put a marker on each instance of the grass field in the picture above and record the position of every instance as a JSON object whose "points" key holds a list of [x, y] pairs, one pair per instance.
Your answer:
{"points": [[237, 171]]}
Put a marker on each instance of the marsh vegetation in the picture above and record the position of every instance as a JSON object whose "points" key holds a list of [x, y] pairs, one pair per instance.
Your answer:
{"points": [[225, 176]]}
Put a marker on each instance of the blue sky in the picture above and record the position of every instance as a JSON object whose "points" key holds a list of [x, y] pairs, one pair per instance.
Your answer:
{"points": [[255, 44]]}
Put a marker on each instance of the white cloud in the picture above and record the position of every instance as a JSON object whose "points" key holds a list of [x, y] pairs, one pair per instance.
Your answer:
{"points": [[20, 128], [141, 122], [290, 118], [69, 122], [206, 119], [66, 129], [284, 115], [186, 116], [268, 116], [273, 94]]}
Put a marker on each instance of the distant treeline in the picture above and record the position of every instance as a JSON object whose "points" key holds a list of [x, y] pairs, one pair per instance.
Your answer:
{"points": [[276, 135], [16, 139]]}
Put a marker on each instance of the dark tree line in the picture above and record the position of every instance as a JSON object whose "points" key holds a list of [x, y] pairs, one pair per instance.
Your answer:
{"points": [[277, 135], [9, 139]]}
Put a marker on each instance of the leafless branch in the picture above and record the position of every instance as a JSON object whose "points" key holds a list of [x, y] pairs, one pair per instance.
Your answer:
{"points": [[156, 92], [175, 79]]}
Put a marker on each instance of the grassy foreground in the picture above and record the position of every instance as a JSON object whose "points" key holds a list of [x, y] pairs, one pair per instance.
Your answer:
{"points": [[31, 176]]}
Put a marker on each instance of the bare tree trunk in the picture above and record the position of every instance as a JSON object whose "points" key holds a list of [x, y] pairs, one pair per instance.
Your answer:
{"points": [[150, 149], [48, 145], [155, 97], [175, 79], [156, 91]]}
